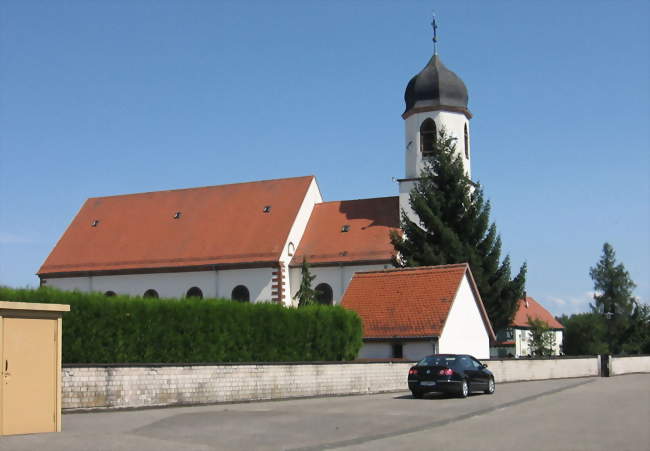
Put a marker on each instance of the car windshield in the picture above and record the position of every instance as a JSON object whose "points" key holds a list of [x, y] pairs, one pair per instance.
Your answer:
{"points": [[437, 360]]}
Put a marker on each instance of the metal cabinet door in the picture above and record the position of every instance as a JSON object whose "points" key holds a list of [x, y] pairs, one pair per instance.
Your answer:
{"points": [[29, 365]]}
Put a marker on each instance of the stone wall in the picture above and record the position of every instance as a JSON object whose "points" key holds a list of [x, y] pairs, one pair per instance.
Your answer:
{"points": [[121, 386], [629, 364], [128, 386], [511, 370]]}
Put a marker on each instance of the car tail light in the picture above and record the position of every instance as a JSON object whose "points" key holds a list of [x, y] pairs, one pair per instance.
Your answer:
{"points": [[413, 371], [446, 372]]}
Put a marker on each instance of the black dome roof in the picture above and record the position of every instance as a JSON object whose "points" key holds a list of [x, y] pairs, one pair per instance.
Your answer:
{"points": [[436, 88]]}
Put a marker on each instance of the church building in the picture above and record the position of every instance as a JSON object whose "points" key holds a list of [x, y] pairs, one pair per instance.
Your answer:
{"points": [[247, 241]]}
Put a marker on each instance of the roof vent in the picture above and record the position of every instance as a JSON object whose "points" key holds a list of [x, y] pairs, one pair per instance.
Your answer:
{"points": [[267, 209], [94, 223], [177, 215], [345, 228]]}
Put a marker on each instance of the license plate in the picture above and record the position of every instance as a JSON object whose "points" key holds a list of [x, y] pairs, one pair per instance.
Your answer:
{"points": [[427, 383]]}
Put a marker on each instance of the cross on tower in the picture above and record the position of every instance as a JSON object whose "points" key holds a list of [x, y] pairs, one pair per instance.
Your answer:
{"points": [[434, 25]]}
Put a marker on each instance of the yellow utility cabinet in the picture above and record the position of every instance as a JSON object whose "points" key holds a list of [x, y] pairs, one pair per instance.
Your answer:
{"points": [[30, 355]]}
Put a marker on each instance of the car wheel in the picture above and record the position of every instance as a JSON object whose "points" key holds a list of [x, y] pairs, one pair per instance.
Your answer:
{"points": [[491, 387], [464, 390], [417, 394]]}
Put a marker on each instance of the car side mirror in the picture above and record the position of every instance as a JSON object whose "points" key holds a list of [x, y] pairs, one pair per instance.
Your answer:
{"points": [[484, 365]]}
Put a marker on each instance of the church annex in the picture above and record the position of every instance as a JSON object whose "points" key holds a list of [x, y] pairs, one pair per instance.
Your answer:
{"points": [[247, 241]]}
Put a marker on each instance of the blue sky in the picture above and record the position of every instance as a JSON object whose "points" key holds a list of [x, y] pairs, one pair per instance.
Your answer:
{"points": [[103, 98]]}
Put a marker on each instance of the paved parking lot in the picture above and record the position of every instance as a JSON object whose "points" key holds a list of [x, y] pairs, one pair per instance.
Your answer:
{"points": [[565, 414]]}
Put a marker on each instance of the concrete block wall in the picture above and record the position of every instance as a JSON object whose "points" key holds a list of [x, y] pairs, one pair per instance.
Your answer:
{"points": [[127, 386], [511, 370], [629, 364], [91, 387]]}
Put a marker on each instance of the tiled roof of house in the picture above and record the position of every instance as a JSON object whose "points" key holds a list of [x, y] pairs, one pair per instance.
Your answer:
{"points": [[410, 302], [212, 225], [530, 307], [349, 231]]}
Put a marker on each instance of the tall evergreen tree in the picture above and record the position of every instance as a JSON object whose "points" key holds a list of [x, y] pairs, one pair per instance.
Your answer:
{"points": [[305, 295], [613, 298], [454, 227]]}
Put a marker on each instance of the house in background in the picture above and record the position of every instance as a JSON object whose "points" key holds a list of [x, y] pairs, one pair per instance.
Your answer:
{"points": [[413, 312], [514, 341]]}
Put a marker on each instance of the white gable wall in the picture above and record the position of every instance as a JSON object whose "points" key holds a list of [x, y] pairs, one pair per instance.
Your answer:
{"points": [[464, 332], [312, 198]]}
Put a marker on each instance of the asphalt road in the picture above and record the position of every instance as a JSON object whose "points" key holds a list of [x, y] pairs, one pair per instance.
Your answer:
{"points": [[565, 414]]}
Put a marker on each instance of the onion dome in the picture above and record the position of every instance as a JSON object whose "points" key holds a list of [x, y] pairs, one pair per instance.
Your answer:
{"points": [[436, 88]]}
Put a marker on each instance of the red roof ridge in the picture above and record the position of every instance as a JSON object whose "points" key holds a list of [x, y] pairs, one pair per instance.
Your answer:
{"points": [[195, 188], [413, 268]]}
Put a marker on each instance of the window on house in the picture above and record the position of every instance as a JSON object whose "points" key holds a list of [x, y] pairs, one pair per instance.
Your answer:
{"points": [[324, 294], [397, 351], [194, 292], [109, 293], [466, 143], [427, 137], [151, 294], [240, 293]]}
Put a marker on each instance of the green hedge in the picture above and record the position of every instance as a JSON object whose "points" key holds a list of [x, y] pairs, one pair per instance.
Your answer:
{"points": [[123, 329]]}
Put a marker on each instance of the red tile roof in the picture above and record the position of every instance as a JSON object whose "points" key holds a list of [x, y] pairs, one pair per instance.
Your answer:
{"points": [[410, 302], [534, 310], [217, 225], [369, 222]]}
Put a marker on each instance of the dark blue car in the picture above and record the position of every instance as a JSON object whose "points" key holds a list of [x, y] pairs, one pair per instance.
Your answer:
{"points": [[458, 374]]}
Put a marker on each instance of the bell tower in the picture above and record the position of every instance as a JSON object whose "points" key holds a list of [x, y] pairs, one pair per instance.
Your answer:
{"points": [[436, 98]]}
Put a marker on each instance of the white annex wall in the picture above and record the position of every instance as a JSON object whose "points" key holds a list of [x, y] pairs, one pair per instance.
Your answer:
{"points": [[411, 350], [464, 331], [338, 277], [375, 350], [312, 198], [175, 285]]}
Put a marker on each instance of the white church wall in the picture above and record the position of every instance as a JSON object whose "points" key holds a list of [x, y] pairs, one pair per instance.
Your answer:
{"points": [[464, 331], [175, 285], [257, 280], [454, 123], [338, 277], [296, 232], [405, 188]]}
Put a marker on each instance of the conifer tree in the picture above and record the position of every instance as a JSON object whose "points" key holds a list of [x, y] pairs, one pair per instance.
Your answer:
{"points": [[613, 298], [306, 295], [454, 227]]}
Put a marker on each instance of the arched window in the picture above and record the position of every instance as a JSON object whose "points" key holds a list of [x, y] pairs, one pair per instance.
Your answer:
{"points": [[240, 293], [150, 293], [109, 293], [194, 292], [466, 143], [324, 294], [428, 137]]}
